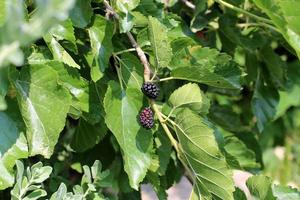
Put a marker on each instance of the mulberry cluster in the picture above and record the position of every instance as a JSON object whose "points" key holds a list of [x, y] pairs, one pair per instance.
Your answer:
{"points": [[150, 89], [146, 118]]}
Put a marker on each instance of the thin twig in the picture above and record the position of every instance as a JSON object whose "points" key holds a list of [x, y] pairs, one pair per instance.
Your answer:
{"points": [[124, 51], [260, 24], [189, 4], [140, 52], [228, 5]]}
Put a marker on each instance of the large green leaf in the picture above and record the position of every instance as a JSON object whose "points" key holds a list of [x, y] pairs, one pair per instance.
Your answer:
{"points": [[44, 106], [101, 33], [285, 16], [159, 42], [208, 66], [189, 96], [122, 108], [260, 187], [212, 175], [13, 146], [264, 103], [81, 13]]}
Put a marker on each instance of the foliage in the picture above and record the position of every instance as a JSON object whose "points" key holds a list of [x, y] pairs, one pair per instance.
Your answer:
{"points": [[71, 74]]}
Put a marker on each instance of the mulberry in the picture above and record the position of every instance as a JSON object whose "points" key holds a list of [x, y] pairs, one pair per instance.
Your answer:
{"points": [[146, 118], [150, 89]]}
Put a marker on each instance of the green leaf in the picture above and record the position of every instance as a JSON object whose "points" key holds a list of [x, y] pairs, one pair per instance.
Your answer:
{"points": [[125, 6], [285, 16], [264, 103], [87, 135], [100, 33], [246, 157], [59, 53], [159, 43], [239, 194], [150, 7], [64, 31], [287, 99], [285, 193], [276, 66], [157, 185], [231, 36], [81, 13], [213, 177], [39, 55], [36, 194], [122, 108], [226, 117], [61, 193], [13, 146], [164, 150], [260, 187], [189, 96], [208, 66], [126, 23], [132, 70], [69, 78], [40, 98], [40, 173], [29, 182]]}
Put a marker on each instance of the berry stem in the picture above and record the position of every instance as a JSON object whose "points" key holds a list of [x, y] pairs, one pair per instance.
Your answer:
{"points": [[163, 124]]}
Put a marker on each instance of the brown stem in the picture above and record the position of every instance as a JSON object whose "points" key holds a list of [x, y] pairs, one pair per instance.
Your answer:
{"points": [[142, 56], [140, 52]]}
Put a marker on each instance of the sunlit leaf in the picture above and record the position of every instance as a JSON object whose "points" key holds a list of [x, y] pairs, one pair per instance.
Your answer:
{"points": [[40, 98], [121, 106], [212, 175]]}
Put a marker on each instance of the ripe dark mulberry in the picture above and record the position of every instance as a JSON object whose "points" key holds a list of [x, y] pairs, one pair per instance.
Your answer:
{"points": [[150, 89], [146, 118]]}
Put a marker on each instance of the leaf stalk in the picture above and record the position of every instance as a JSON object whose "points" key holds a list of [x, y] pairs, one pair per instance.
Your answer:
{"points": [[237, 9]]}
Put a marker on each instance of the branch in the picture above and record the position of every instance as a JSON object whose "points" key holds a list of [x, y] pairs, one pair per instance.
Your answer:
{"points": [[140, 52], [147, 73], [189, 4]]}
